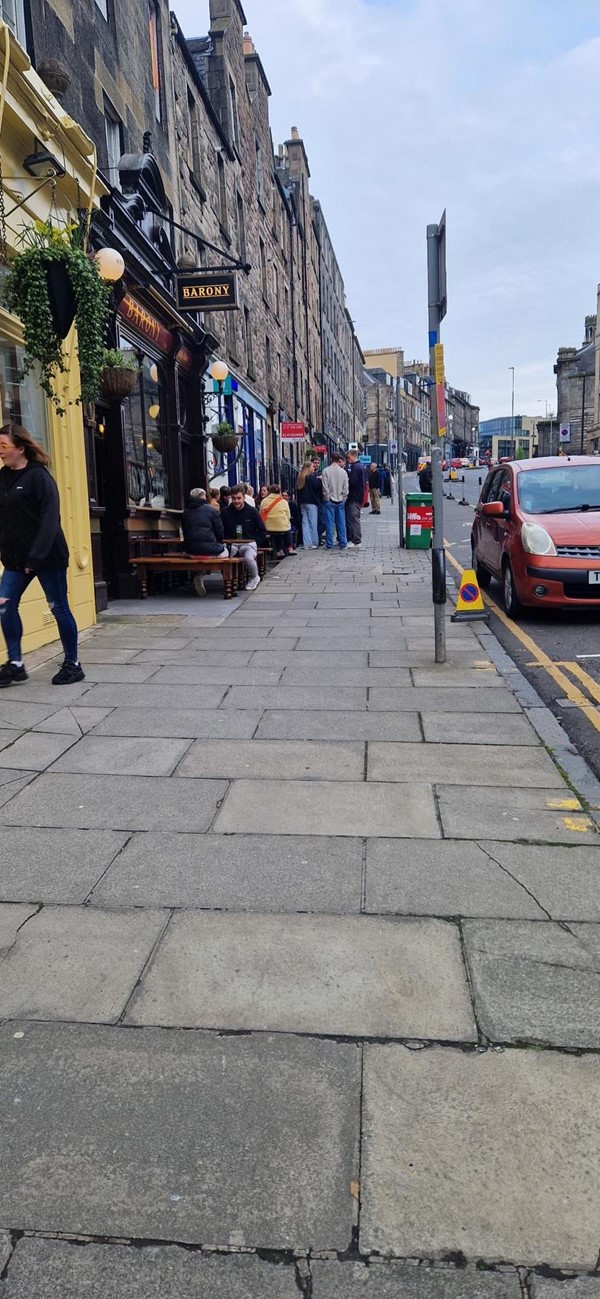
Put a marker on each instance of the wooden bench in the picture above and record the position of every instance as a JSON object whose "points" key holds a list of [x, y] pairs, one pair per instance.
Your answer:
{"points": [[231, 569]]}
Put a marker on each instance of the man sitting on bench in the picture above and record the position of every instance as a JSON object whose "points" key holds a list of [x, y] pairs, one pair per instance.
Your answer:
{"points": [[243, 521], [202, 532]]}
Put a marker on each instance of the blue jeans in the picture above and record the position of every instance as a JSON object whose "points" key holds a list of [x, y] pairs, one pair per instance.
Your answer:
{"points": [[54, 585], [335, 514], [310, 525]]}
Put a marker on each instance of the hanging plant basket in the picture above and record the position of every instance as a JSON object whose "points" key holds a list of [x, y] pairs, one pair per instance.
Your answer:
{"points": [[116, 383], [225, 438], [51, 283]]}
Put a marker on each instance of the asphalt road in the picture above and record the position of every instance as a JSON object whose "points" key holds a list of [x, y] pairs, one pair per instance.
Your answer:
{"points": [[566, 637]]}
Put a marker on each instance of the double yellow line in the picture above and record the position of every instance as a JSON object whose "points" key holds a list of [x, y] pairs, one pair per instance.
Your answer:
{"points": [[542, 660]]}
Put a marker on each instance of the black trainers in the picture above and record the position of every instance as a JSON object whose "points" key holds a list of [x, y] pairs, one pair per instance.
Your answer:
{"points": [[69, 674], [11, 674]]}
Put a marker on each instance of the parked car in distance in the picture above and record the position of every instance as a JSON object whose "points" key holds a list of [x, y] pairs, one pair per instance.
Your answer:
{"points": [[537, 530]]}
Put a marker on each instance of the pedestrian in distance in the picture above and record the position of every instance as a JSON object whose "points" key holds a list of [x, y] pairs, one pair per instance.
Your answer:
{"points": [[425, 478], [214, 498], [225, 495], [262, 495], [275, 514], [356, 495], [203, 532], [32, 545], [375, 488], [243, 522], [335, 495], [249, 494], [310, 496]]}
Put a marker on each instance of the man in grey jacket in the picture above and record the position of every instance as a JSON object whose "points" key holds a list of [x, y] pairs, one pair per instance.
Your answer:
{"points": [[335, 492]]}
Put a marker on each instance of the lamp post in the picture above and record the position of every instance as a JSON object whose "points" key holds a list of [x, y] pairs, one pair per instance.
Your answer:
{"points": [[512, 414], [219, 371]]}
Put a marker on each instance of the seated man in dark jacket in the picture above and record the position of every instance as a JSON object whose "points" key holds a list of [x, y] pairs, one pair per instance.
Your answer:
{"points": [[243, 522], [202, 531]]}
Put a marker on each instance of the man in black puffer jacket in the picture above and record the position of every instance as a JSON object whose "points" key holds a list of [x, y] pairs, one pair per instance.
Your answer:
{"points": [[202, 531]]}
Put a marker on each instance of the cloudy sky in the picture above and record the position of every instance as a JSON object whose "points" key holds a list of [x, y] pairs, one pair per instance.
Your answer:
{"points": [[485, 107]]}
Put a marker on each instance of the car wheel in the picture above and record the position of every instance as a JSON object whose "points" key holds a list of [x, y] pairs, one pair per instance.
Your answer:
{"points": [[483, 577], [512, 604]]}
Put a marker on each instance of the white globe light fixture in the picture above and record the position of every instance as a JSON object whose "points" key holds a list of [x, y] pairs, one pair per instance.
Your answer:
{"points": [[219, 371], [110, 264]]}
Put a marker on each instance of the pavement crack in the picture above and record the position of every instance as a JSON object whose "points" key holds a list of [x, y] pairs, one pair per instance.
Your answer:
{"points": [[516, 881]]}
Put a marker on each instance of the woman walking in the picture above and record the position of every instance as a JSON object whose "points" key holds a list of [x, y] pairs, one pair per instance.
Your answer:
{"points": [[310, 495], [32, 544]]}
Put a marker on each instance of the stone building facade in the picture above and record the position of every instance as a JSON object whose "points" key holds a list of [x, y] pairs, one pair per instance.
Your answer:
{"points": [[462, 422], [337, 342], [576, 387], [381, 420], [200, 109]]}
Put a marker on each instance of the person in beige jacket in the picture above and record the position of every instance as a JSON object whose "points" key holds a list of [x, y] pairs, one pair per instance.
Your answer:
{"points": [[335, 492], [275, 514]]}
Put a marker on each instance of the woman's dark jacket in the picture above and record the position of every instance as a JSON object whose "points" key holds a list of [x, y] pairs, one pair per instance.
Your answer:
{"points": [[202, 528], [312, 491], [30, 531]]}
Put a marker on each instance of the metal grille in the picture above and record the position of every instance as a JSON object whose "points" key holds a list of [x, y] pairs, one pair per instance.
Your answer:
{"points": [[578, 552]]}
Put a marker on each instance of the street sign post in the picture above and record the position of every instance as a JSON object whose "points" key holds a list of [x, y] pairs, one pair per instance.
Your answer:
{"points": [[437, 304], [564, 433]]}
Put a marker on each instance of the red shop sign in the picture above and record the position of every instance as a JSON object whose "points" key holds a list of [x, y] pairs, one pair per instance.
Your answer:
{"points": [[184, 358], [295, 432], [145, 323]]}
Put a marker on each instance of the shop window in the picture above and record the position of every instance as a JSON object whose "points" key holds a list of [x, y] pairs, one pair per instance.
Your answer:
{"points": [[12, 12], [153, 29], [235, 121], [144, 420], [113, 131], [241, 224], [222, 193], [248, 341], [23, 403], [195, 158]]}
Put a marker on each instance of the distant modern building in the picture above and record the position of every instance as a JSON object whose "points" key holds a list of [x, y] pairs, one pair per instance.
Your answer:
{"points": [[504, 437]]}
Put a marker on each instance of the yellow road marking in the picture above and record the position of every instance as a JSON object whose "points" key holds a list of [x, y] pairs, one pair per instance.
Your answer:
{"points": [[564, 804], [543, 660], [581, 826], [584, 677]]}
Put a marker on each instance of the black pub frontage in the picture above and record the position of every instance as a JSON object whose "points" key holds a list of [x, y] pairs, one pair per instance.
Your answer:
{"points": [[146, 450]]}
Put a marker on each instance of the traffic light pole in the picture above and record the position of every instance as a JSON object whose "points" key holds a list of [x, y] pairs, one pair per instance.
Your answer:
{"points": [[436, 302]]}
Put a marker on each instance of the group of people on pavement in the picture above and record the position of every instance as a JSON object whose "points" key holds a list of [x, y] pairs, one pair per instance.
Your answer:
{"points": [[217, 523], [331, 501]]}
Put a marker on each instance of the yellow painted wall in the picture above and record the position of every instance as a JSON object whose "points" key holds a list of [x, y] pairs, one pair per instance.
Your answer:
{"points": [[392, 362], [28, 111]]}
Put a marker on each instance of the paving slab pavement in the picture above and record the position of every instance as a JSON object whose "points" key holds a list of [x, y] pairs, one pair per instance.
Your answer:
{"points": [[497, 1151], [170, 1135], [58, 1269], [77, 963], [397, 1281], [329, 808], [536, 982], [354, 977], [44, 865], [109, 802], [11, 920], [301, 910], [444, 878], [235, 873]]}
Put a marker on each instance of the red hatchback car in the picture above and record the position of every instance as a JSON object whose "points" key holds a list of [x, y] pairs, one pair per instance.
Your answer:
{"points": [[537, 529]]}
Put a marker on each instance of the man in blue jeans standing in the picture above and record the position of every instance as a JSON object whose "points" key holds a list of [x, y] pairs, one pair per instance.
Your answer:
{"points": [[335, 493]]}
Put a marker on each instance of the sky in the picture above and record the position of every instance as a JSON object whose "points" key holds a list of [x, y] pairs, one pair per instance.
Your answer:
{"points": [[487, 108]]}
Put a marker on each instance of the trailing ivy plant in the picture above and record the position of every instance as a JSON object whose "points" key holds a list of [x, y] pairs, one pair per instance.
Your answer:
{"points": [[27, 296]]}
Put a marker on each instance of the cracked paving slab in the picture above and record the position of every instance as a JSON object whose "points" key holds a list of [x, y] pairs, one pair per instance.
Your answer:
{"points": [[536, 982], [495, 1154], [168, 1135], [59, 1270]]}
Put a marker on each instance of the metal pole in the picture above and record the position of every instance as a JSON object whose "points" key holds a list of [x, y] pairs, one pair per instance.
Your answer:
{"points": [[400, 500], [512, 415], [438, 555], [583, 416]]}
